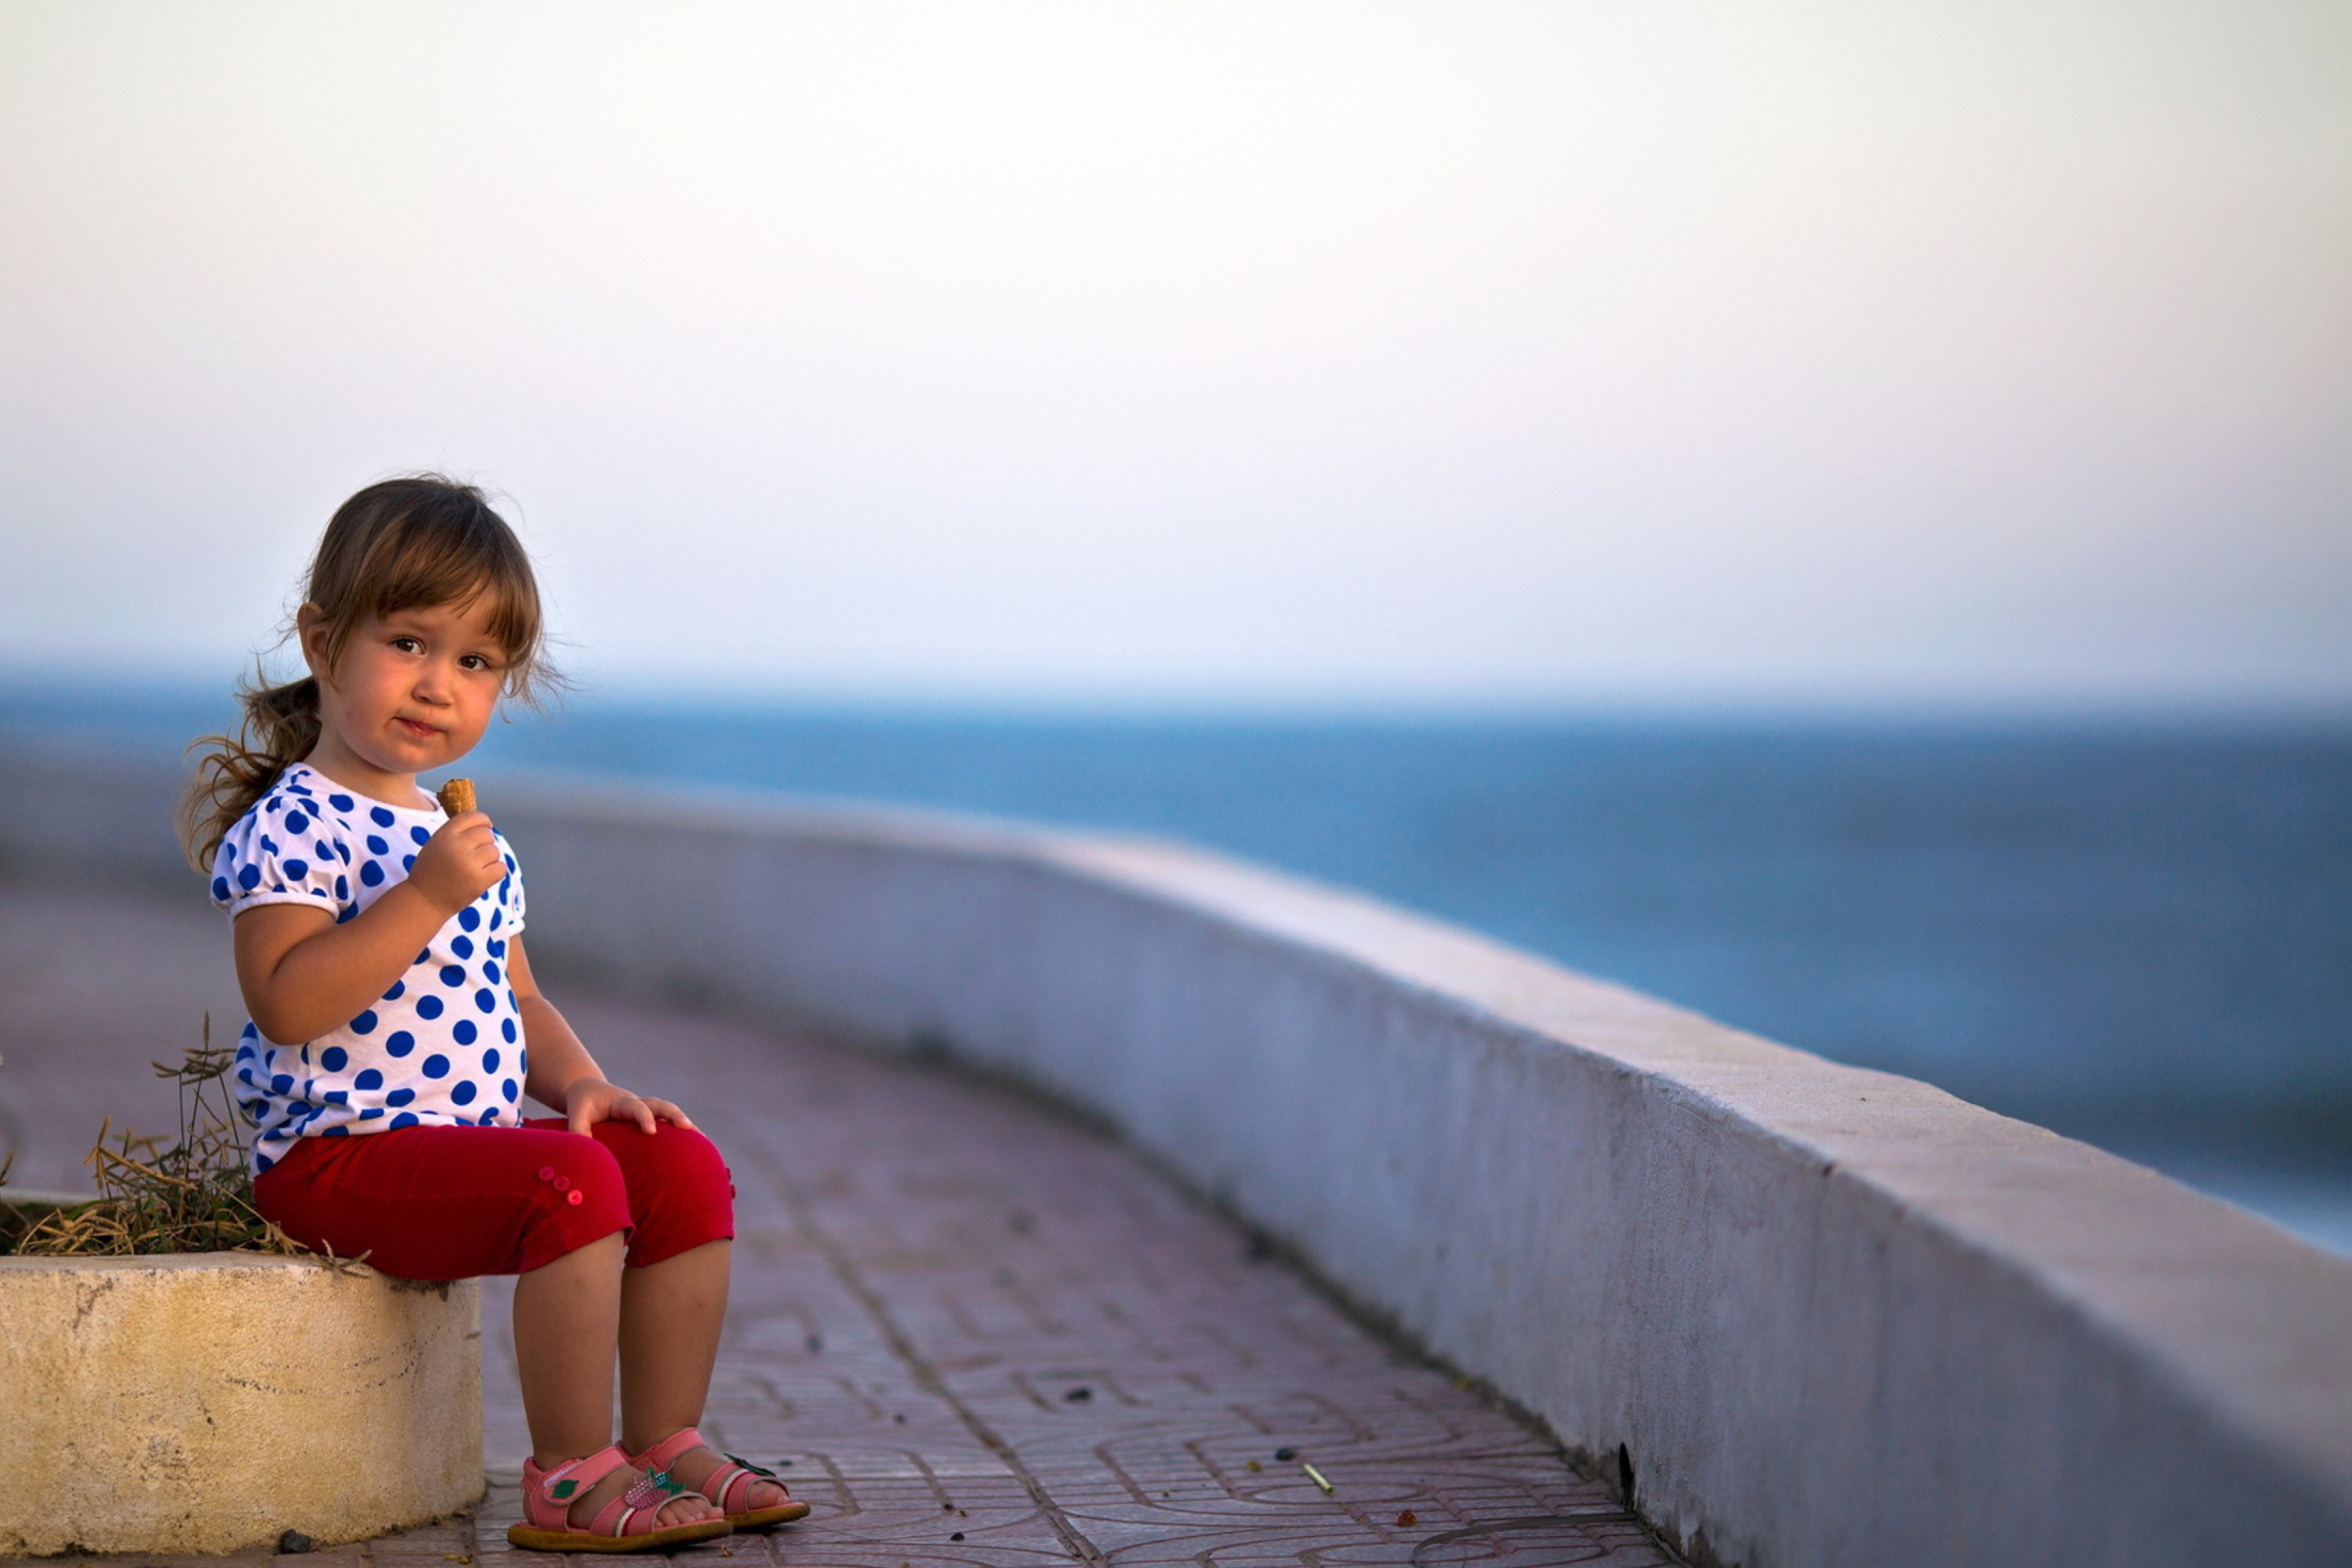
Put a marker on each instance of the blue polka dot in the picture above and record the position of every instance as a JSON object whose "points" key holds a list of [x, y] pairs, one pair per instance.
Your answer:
{"points": [[376, 846], [436, 1066], [399, 989], [268, 844], [506, 1027], [463, 1032], [335, 1059], [399, 1097], [220, 889], [263, 1162], [228, 847], [522, 1064], [490, 1059], [470, 918], [369, 1080], [371, 1114], [463, 946], [380, 816], [408, 862], [322, 849], [372, 874], [346, 912], [494, 919], [336, 1132], [298, 870], [498, 947], [249, 878], [424, 954], [282, 1084], [429, 1006], [511, 1000], [464, 1093], [487, 1000], [510, 1091], [453, 974], [406, 1118], [399, 1043], [365, 1024], [419, 834], [342, 802], [489, 972], [296, 822], [342, 887], [336, 1097]]}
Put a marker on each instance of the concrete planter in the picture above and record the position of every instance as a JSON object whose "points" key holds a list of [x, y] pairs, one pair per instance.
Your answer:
{"points": [[209, 1402]]}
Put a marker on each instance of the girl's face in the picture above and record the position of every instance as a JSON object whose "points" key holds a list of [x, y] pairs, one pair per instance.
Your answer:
{"points": [[412, 692]]}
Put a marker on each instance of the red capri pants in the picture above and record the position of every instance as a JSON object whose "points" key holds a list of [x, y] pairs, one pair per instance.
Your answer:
{"points": [[451, 1202]]}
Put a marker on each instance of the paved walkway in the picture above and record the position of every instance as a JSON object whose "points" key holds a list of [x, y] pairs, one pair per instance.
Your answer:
{"points": [[965, 1329]]}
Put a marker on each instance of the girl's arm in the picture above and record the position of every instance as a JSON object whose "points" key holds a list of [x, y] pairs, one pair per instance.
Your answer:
{"points": [[564, 1077], [302, 975]]}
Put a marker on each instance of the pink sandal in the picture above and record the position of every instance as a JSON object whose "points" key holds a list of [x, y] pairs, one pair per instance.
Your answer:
{"points": [[547, 1497], [729, 1486]]}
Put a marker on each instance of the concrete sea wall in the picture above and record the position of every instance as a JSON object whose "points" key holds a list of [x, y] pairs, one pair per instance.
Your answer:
{"points": [[1826, 1316]]}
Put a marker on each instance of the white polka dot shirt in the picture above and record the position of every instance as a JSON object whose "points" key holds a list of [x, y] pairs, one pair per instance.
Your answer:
{"points": [[444, 1046]]}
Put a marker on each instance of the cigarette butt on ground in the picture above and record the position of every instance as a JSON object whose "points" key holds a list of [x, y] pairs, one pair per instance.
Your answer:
{"points": [[456, 796], [1317, 1477]]}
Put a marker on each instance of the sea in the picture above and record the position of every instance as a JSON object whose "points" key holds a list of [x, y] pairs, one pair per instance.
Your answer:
{"points": [[2137, 932]]}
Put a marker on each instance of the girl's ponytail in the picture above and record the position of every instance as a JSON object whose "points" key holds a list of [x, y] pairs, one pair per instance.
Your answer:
{"points": [[280, 727], [397, 544]]}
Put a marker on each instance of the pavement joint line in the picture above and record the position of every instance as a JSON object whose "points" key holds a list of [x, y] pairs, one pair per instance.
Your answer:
{"points": [[925, 1374]]}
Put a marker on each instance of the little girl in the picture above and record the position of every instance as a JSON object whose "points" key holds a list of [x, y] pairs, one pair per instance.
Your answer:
{"points": [[396, 1027]]}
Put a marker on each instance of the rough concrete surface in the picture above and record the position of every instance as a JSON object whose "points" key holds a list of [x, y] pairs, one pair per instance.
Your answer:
{"points": [[211, 1402], [956, 1313]]}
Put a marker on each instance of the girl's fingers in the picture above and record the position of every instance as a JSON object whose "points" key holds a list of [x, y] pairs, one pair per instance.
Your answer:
{"points": [[671, 1113]]}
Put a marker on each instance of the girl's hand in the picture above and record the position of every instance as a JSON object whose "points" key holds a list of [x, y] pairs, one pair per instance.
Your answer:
{"points": [[592, 1099], [458, 864]]}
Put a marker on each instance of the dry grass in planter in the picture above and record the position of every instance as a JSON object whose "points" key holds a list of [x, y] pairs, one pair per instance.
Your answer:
{"points": [[196, 1196]]}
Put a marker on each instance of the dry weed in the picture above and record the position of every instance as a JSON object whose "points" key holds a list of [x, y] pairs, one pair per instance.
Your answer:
{"points": [[196, 1196]]}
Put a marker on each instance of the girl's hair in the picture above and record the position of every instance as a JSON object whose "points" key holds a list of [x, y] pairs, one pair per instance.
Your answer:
{"points": [[422, 541]]}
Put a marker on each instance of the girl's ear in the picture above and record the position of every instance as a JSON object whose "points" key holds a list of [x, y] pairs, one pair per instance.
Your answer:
{"points": [[310, 631]]}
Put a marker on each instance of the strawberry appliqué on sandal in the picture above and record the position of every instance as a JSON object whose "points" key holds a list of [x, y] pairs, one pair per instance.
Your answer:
{"points": [[629, 1522], [729, 1486]]}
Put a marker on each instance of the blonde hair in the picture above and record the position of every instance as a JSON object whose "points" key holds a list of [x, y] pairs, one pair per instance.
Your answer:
{"points": [[401, 544]]}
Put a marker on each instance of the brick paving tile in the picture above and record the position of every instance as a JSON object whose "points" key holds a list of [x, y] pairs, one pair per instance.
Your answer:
{"points": [[956, 1313]]}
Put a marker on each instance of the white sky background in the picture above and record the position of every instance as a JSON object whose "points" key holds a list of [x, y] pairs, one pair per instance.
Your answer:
{"points": [[1577, 353]]}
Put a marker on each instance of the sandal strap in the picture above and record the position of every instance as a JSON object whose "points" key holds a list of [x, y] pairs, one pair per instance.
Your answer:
{"points": [[643, 1497], [548, 1495], [720, 1485], [659, 1456]]}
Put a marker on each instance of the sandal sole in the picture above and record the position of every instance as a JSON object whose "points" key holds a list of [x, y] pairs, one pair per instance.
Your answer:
{"points": [[530, 1538], [769, 1518]]}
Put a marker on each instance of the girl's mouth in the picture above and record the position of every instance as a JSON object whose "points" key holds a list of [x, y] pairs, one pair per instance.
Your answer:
{"points": [[415, 731]]}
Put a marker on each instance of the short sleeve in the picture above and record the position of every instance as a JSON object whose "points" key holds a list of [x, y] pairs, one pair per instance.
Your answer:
{"points": [[281, 852], [510, 890]]}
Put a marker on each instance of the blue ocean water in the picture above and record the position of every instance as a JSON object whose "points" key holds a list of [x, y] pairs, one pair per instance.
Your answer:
{"points": [[2140, 935]]}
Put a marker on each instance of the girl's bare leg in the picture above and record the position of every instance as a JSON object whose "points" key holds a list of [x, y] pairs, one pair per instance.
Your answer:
{"points": [[671, 1315], [567, 1318]]}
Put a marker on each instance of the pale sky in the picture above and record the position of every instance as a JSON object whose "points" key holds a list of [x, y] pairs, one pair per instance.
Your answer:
{"points": [[1605, 353]]}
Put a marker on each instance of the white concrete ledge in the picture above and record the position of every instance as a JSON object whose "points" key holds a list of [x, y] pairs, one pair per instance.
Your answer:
{"points": [[211, 1401], [1833, 1317]]}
